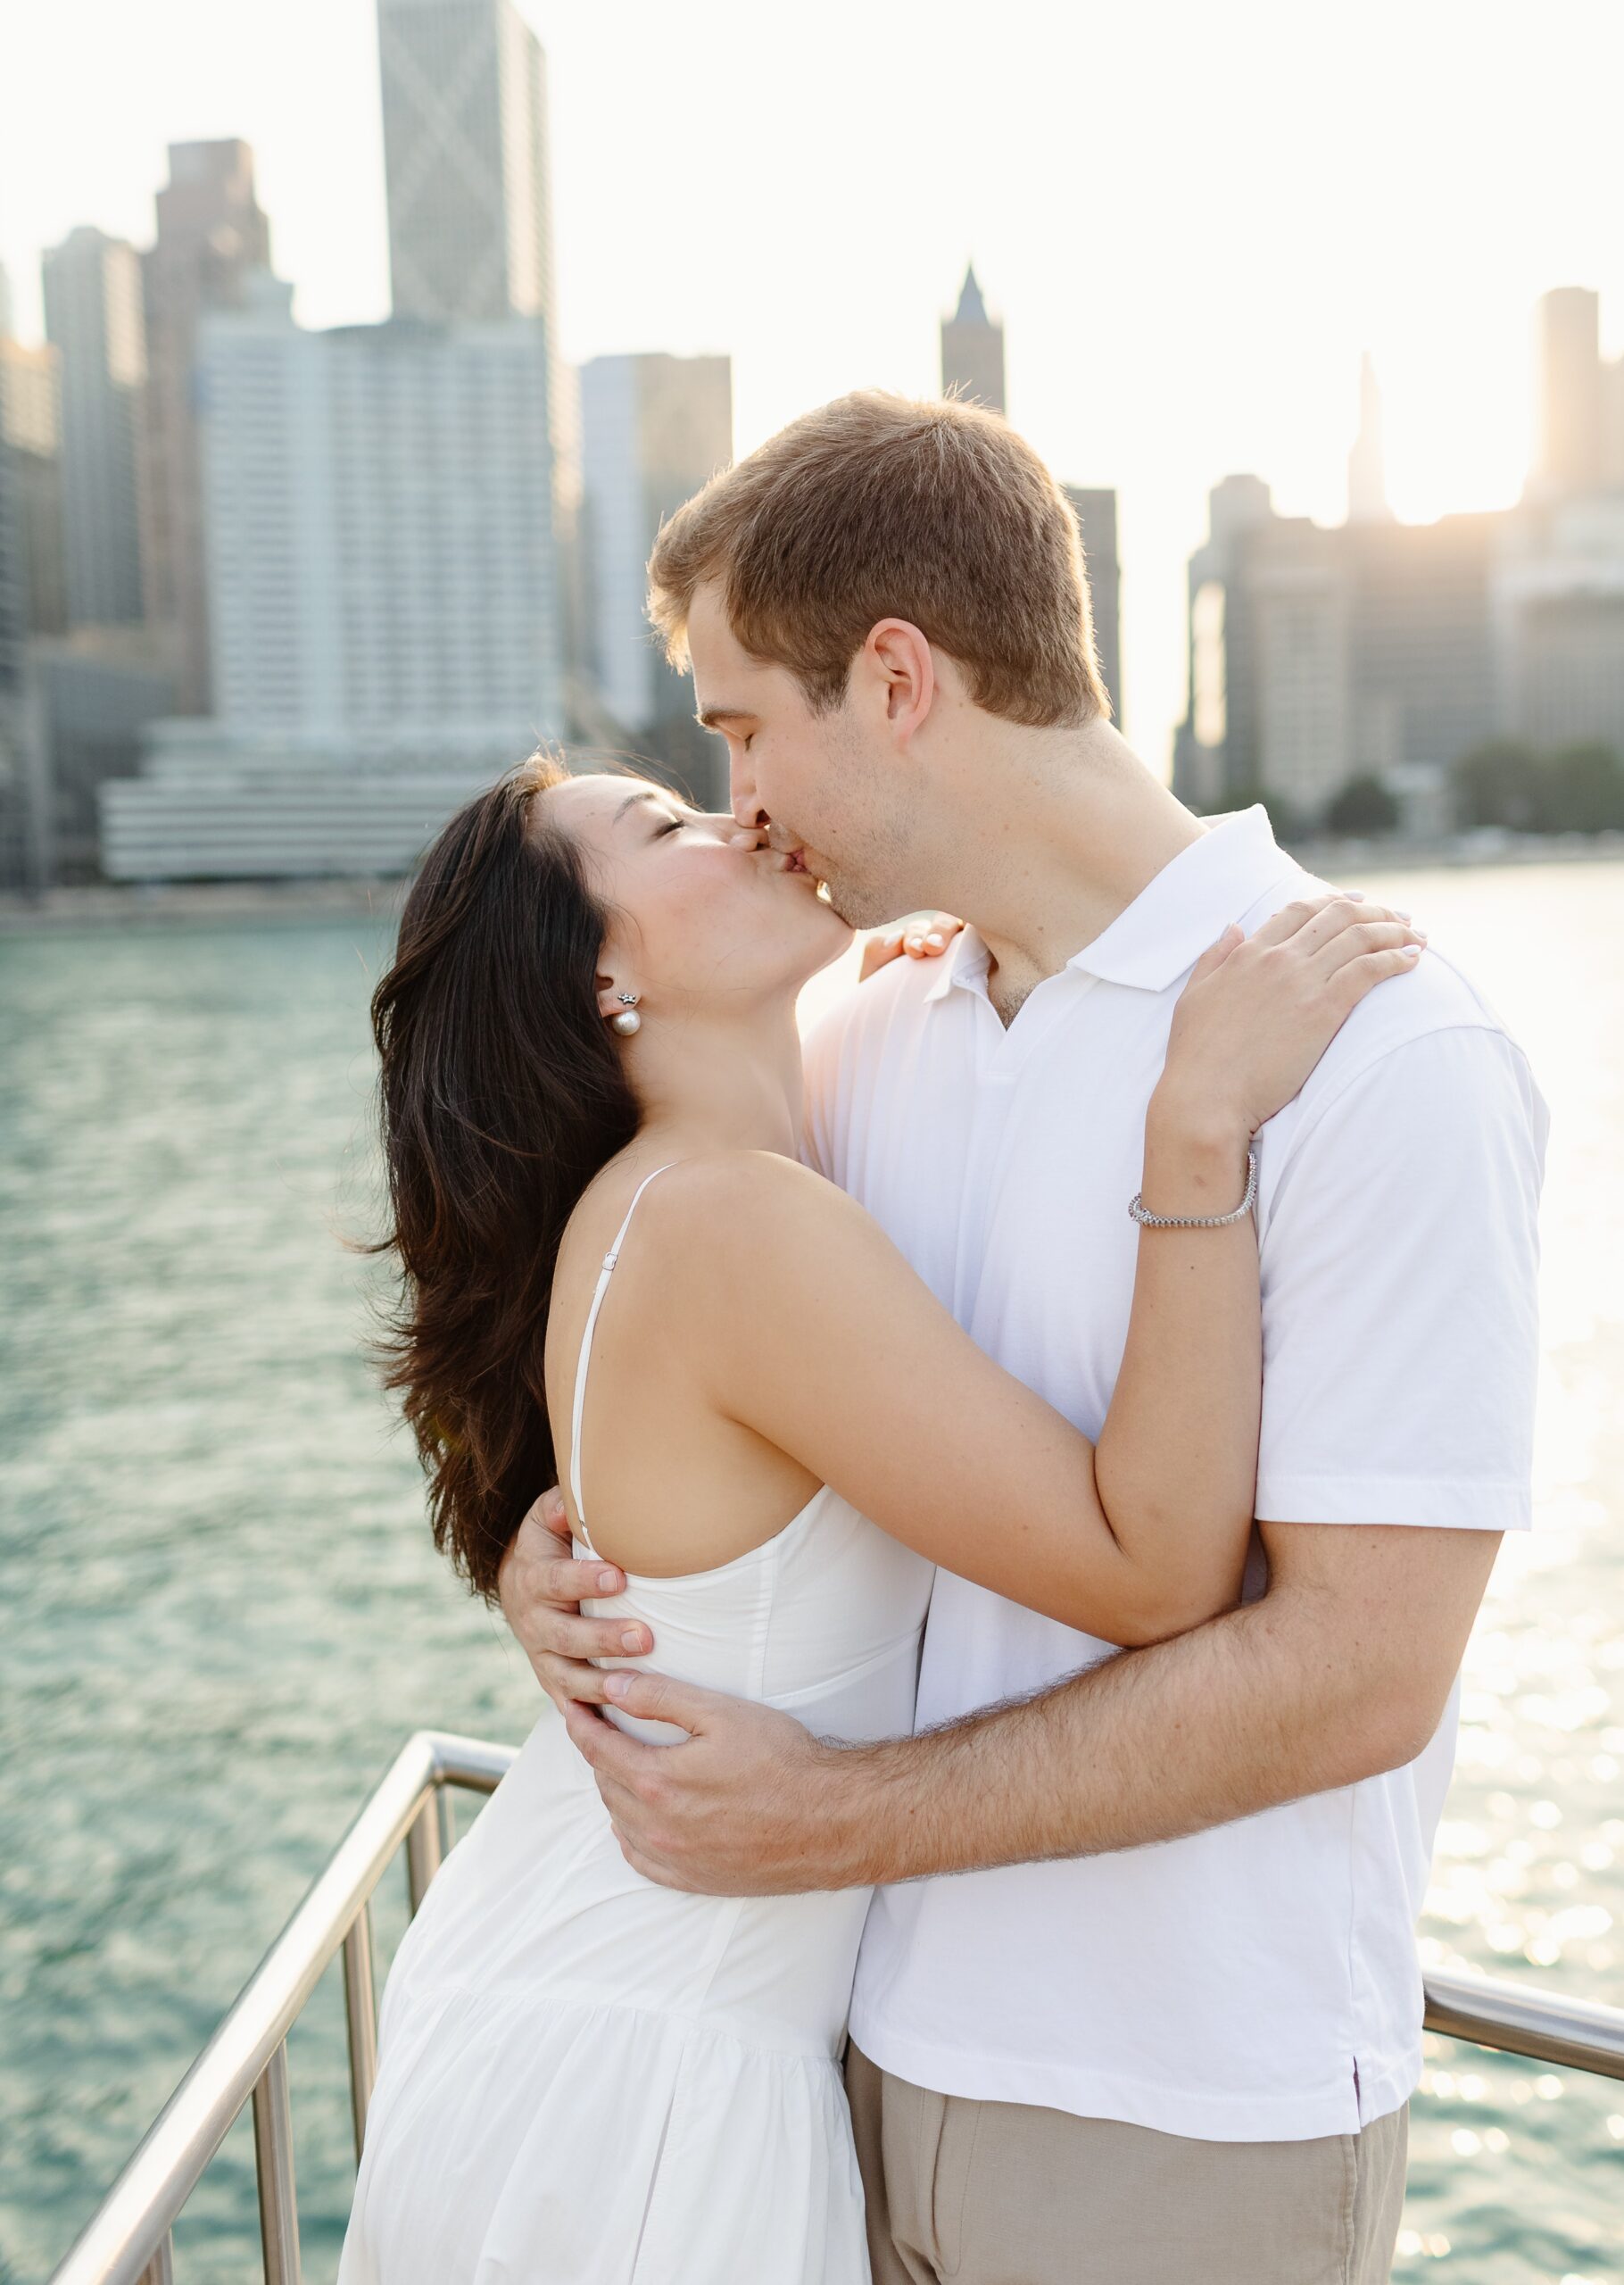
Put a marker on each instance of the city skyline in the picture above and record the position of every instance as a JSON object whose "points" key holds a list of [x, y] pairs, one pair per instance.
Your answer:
{"points": [[1143, 352]]}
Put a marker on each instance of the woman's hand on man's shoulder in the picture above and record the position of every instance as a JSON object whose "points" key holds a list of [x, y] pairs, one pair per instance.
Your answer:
{"points": [[922, 937]]}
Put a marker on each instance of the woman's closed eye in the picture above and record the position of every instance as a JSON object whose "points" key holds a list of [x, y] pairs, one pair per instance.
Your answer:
{"points": [[671, 825]]}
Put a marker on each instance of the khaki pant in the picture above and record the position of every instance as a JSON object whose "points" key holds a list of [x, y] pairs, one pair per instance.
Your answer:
{"points": [[1005, 2194]]}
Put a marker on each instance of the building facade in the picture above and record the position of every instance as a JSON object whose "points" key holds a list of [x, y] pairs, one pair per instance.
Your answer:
{"points": [[93, 318], [1096, 513], [1367, 461], [654, 429], [30, 438], [95, 693], [211, 236], [468, 178], [973, 350], [1321, 655], [383, 594], [1559, 625], [1569, 392], [18, 819]]}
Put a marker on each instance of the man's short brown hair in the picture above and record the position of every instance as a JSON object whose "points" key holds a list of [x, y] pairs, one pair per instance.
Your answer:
{"points": [[877, 508]]}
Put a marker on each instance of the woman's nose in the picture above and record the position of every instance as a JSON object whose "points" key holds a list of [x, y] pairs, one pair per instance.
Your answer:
{"points": [[742, 836]]}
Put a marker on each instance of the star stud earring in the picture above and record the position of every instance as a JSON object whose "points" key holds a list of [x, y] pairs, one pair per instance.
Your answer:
{"points": [[628, 1020]]}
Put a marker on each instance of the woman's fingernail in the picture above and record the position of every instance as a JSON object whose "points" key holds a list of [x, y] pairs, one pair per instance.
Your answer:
{"points": [[632, 1638], [1413, 951], [609, 1582], [913, 943], [934, 938]]}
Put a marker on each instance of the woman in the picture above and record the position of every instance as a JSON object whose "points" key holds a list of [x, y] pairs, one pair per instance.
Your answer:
{"points": [[591, 1082]]}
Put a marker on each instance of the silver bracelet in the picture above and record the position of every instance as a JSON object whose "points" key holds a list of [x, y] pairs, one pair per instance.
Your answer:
{"points": [[1137, 1208]]}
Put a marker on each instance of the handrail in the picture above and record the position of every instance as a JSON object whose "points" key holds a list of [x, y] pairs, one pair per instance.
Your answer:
{"points": [[127, 2237], [1522, 2019], [127, 2240]]}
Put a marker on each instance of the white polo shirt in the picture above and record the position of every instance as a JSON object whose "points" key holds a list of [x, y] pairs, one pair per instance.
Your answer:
{"points": [[1257, 1982]]}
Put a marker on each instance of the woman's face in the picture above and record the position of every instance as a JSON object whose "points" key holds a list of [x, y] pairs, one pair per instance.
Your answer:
{"points": [[702, 913]]}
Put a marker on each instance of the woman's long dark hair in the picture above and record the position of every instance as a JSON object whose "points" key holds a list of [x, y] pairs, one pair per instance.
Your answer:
{"points": [[502, 1095]]}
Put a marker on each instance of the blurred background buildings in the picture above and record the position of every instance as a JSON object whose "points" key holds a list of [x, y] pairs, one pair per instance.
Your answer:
{"points": [[1469, 672], [272, 600]]}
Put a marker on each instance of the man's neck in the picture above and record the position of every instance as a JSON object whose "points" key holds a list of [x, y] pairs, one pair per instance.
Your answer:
{"points": [[1082, 829]]}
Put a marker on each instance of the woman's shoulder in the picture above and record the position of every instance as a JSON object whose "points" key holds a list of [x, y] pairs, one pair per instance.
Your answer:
{"points": [[723, 1220], [724, 1191]]}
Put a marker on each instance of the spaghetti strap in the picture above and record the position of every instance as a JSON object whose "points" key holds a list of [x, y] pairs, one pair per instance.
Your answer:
{"points": [[604, 1275]]}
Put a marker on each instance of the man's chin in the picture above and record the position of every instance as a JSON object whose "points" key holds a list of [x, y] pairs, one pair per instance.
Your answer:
{"points": [[852, 906]]}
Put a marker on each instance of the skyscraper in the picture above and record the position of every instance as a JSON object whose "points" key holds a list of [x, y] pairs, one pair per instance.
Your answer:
{"points": [[30, 440], [468, 167], [653, 429], [973, 350], [17, 837], [382, 595], [1367, 465], [466, 157], [1096, 513], [1568, 456], [93, 318], [1319, 656], [210, 236]]}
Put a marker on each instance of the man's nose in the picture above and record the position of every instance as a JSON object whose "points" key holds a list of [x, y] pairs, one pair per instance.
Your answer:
{"points": [[741, 791], [727, 828]]}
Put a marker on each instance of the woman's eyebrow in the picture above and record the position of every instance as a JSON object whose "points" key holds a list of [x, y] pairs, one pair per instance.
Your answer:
{"points": [[644, 793]]}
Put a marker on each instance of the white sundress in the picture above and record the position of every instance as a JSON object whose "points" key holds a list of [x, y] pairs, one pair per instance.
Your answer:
{"points": [[585, 2078]]}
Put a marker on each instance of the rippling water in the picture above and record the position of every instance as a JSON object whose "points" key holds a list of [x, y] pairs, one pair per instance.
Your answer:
{"points": [[219, 1612]]}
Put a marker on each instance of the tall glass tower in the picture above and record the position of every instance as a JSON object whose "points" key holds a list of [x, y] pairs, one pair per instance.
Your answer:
{"points": [[468, 176]]}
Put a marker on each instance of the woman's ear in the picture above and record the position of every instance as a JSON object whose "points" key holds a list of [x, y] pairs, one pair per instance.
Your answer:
{"points": [[613, 992]]}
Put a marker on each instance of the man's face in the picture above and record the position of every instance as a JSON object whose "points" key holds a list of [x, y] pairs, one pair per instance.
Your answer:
{"points": [[822, 786]]}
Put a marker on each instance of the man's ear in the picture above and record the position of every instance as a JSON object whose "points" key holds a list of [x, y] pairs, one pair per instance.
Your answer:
{"points": [[898, 656]]}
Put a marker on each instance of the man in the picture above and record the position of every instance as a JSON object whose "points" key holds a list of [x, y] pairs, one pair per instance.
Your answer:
{"points": [[1075, 2056]]}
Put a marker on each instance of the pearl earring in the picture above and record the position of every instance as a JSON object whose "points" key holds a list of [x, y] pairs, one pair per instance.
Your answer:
{"points": [[628, 1020]]}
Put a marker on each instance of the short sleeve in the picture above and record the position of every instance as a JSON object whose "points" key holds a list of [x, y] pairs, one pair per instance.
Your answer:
{"points": [[1399, 1260]]}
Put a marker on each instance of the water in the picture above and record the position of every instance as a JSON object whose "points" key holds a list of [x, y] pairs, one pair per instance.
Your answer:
{"points": [[219, 1612]]}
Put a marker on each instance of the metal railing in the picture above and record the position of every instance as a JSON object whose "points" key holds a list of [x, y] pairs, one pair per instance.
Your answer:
{"points": [[129, 2241]]}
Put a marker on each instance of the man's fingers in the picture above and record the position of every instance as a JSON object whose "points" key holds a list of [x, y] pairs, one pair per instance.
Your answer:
{"points": [[615, 1759], [567, 1682], [562, 1579], [547, 1515], [559, 1634], [656, 1698]]}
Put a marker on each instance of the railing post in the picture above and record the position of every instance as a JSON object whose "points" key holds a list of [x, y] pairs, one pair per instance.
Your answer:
{"points": [[423, 1852], [361, 2013], [273, 2154], [160, 2269]]}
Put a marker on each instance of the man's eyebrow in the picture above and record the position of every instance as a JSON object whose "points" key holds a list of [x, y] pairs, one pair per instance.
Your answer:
{"points": [[710, 718]]}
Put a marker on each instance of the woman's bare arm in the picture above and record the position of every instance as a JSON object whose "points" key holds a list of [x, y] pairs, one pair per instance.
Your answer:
{"points": [[816, 1334]]}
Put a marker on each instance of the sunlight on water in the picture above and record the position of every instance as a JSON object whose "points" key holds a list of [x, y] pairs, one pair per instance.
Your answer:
{"points": [[220, 1611]]}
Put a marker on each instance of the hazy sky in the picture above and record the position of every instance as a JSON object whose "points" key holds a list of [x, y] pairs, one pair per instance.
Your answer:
{"points": [[1190, 218]]}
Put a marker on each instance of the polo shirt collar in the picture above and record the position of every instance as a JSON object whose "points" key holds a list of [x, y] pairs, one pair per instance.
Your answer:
{"points": [[1188, 904], [1170, 924]]}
